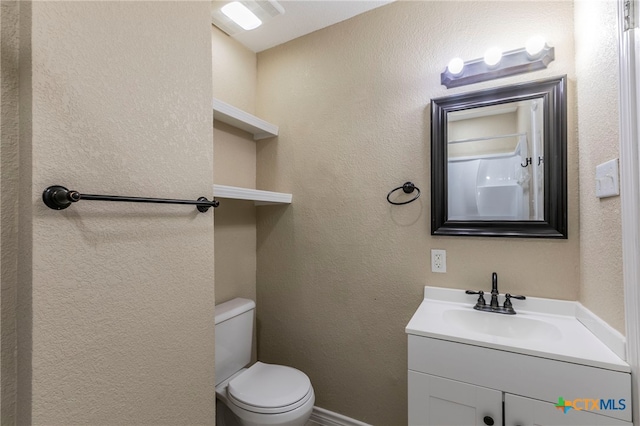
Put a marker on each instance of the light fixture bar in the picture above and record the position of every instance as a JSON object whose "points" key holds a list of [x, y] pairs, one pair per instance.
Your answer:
{"points": [[512, 62]]}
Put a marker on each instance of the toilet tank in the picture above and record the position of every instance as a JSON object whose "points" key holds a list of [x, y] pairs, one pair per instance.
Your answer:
{"points": [[234, 336]]}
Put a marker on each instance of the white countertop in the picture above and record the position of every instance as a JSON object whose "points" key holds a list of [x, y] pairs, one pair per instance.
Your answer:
{"points": [[569, 340]]}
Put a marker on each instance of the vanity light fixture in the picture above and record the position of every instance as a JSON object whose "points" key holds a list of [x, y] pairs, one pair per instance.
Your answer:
{"points": [[495, 64], [244, 15], [492, 56], [535, 45], [456, 65]]}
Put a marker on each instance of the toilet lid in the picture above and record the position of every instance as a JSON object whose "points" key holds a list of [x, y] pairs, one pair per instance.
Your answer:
{"points": [[269, 386]]}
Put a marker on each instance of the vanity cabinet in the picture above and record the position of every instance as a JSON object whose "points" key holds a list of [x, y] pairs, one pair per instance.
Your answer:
{"points": [[437, 401], [452, 383], [468, 367], [520, 411]]}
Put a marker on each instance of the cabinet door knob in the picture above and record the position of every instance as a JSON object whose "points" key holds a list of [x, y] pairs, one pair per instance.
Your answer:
{"points": [[488, 421]]}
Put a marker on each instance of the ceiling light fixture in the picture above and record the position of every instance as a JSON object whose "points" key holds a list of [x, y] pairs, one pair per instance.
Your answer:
{"points": [[495, 64], [241, 15]]}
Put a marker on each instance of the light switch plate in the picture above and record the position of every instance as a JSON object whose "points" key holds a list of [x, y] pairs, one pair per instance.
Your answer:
{"points": [[607, 179]]}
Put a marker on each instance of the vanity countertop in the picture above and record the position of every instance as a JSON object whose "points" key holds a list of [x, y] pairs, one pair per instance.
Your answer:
{"points": [[544, 328]]}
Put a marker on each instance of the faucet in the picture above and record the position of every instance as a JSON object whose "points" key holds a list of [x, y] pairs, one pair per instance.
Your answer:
{"points": [[494, 291], [494, 306]]}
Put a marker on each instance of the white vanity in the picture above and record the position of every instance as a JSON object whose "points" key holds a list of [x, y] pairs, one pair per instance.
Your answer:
{"points": [[468, 367]]}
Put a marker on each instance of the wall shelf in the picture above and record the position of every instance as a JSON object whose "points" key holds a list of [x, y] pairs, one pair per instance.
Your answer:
{"points": [[236, 117], [259, 197]]}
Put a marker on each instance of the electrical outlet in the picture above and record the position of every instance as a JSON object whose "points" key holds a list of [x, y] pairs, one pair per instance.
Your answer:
{"points": [[438, 261]]}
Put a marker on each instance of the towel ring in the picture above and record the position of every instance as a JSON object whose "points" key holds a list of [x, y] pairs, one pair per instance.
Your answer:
{"points": [[407, 188]]}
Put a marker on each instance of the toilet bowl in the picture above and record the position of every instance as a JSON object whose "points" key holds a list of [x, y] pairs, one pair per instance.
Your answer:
{"points": [[265, 394], [262, 394]]}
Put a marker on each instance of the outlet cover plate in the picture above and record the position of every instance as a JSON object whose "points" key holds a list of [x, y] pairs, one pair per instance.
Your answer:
{"points": [[438, 261]]}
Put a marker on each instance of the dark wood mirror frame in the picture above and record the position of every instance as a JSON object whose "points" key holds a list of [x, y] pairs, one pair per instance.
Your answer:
{"points": [[553, 95]]}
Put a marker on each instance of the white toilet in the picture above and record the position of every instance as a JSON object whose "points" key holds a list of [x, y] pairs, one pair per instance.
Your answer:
{"points": [[262, 394]]}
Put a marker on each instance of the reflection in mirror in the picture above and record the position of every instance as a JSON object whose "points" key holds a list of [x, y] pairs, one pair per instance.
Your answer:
{"points": [[499, 163], [496, 162]]}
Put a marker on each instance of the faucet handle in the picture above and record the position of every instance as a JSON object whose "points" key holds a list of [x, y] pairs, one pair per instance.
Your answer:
{"points": [[481, 301], [507, 300], [513, 296]]}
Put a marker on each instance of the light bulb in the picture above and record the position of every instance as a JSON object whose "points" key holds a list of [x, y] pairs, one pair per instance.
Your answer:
{"points": [[535, 45], [456, 65], [492, 56]]}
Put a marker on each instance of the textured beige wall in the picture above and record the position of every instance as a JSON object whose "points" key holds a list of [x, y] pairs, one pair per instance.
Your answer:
{"points": [[235, 236], [234, 71], [601, 287], [235, 79], [122, 295], [483, 127], [15, 211], [9, 136], [341, 271], [235, 156], [1, 116]]}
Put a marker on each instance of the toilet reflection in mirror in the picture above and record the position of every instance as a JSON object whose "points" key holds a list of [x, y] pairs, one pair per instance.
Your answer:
{"points": [[495, 158]]}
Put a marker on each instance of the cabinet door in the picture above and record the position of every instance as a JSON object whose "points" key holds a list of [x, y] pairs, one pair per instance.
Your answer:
{"points": [[520, 411], [435, 401]]}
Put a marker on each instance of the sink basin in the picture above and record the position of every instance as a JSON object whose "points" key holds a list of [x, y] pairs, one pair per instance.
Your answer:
{"points": [[554, 329], [509, 326]]}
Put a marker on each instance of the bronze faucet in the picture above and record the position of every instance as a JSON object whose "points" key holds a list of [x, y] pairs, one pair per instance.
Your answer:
{"points": [[494, 306]]}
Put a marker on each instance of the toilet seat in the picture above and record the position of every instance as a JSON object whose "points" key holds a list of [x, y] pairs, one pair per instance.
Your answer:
{"points": [[269, 389]]}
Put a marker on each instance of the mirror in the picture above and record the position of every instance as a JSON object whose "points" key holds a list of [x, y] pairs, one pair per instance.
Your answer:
{"points": [[498, 162]]}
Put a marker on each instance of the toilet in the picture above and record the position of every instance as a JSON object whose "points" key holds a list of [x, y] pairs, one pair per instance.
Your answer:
{"points": [[254, 395]]}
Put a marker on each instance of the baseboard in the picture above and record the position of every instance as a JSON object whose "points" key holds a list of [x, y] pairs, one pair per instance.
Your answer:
{"points": [[324, 417]]}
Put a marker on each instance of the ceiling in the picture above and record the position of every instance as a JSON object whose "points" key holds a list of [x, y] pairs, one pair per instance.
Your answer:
{"points": [[301, 17]]}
